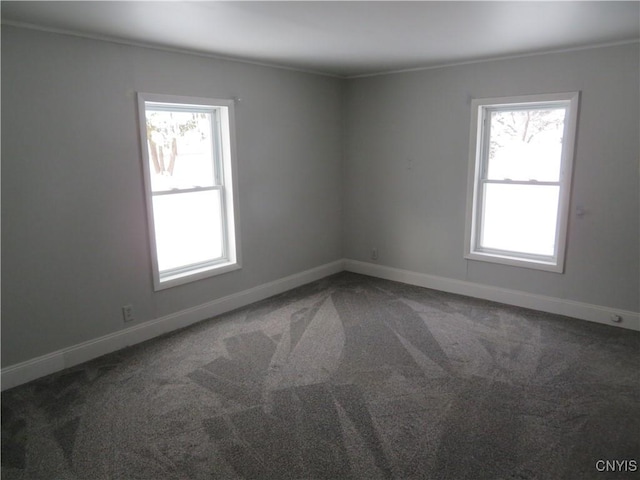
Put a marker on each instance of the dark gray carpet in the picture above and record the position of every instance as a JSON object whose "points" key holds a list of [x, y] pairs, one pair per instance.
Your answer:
{"points": [[348, 377]]}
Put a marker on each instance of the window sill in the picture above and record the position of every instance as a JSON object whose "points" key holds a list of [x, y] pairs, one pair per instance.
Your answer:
{"points": [[173, 280], [535, 264]]}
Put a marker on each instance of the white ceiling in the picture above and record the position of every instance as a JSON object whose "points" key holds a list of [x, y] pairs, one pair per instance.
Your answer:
{"points": [[343, 38]]}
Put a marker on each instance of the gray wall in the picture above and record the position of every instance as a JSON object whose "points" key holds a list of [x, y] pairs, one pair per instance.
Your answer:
{"points": [[74, 239], [406, 174]]}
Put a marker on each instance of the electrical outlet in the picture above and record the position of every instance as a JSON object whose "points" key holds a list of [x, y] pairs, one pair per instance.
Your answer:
{"points": [[374, 254], [127, 313]]}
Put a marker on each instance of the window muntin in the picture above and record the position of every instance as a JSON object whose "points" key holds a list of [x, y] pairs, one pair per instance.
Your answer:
{"points": [[189, 176], [520, 172]]}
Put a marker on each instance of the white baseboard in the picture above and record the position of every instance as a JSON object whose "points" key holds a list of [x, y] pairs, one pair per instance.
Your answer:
{"points": [[570, 308], [24, 372]]}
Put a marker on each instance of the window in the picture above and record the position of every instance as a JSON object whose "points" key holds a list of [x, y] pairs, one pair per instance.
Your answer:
{"points": [[520, 178], [189, 163]]}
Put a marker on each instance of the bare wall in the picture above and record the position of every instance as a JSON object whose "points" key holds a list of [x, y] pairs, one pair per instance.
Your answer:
{"points": [[389, 171], [74, 239], [407, 151]]}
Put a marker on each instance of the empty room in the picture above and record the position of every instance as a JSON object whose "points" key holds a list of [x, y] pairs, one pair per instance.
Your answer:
{"points": [[320, 240]]}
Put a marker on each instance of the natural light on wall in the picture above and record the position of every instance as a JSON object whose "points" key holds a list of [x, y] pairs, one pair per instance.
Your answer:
{"points": [[188, 155], [520, 173]]}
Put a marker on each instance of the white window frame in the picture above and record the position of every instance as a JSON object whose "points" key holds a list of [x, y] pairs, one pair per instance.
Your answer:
{"points": [[479, 140], [226, 182]]}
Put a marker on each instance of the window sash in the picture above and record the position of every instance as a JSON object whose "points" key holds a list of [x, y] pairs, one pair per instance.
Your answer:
{"points": [[224, 225], [485, 126], [216, 138], [482, 222]]}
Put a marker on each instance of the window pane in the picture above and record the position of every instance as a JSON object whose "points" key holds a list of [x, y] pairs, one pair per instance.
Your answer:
{"points": [[520, 218], [188, 228], [180, 149], [526, 144]]}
